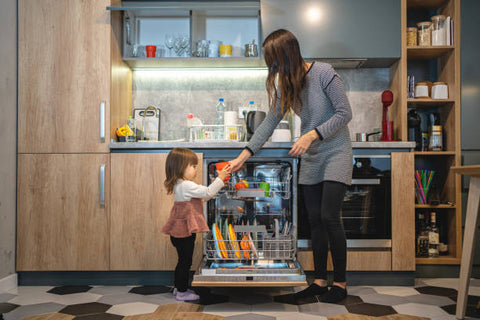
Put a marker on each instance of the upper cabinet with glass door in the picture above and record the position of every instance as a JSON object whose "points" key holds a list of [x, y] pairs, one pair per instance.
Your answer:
{"points": [[191, 34]]}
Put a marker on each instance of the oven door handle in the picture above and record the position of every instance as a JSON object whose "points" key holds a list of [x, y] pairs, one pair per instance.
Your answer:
{"points": [[366, 181]]}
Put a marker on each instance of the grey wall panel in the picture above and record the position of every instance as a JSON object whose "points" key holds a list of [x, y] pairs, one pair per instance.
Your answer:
{"points": [[470, 61], [8, 111], [337, 28]]}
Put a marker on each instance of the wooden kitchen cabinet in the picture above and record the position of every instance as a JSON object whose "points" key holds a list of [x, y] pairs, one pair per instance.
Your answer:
{"points": [[140, 208], [442, 64], [70, 76], [61, 223]]}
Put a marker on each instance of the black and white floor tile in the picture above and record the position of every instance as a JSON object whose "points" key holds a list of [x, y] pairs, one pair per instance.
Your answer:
{"points": [[428, 299]]}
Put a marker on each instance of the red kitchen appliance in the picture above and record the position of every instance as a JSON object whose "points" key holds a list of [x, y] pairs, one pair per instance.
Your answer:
{"points": [[387, 126]]}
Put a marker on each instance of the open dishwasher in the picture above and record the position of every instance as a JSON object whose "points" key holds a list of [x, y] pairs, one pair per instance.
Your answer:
{"points": [[253, 238]]}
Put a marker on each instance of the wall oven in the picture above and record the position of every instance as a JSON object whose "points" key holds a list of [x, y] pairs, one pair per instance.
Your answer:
{"points": [[366, 210]]}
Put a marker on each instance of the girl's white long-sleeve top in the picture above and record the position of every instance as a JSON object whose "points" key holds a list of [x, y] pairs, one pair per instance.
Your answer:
{"points": [[185, 190]]}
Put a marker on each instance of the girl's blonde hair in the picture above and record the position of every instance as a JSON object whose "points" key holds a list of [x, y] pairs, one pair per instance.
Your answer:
{"points": [[177, 161]]}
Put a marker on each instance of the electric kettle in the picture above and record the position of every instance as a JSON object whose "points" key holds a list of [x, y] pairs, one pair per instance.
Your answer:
{"points": [[254, 119]]}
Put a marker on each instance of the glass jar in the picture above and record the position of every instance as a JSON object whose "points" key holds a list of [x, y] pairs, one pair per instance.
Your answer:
{"points": [[436, 139], [438, 30], [411, 36], [424, 33]]}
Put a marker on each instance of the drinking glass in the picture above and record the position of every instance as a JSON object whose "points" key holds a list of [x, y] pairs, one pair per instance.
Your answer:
{"points": [[169, 42]]}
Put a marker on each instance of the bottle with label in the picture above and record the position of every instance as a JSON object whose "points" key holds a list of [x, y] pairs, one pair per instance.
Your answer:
{"points": [[131, 134], [219, 132], [422, 237], [433, 238]]}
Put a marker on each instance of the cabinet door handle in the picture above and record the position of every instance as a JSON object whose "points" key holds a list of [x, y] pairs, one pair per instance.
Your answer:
{"points": [[366, 181], [102, 121], [102, 186]]}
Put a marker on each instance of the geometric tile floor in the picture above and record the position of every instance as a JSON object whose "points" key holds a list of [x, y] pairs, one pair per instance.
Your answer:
{"points": [[428, 299]]}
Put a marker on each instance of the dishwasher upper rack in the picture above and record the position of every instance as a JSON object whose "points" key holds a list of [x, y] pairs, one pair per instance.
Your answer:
{"points": [[254, 188], [263, 248]]}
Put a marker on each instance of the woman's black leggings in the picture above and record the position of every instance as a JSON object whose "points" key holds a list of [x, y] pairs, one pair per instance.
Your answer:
{"points": [[323, 202], [184, 248]]}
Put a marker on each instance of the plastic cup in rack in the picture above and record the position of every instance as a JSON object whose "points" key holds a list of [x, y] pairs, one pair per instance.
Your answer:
{"points": [[265, 186], [220, 166]]}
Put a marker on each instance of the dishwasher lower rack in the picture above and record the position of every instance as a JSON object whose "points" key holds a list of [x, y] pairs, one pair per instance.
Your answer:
{"points": [[247, 248], [270, 262]]}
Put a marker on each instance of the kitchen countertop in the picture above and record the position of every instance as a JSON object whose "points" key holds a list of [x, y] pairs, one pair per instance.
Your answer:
{"points": [[241, 145]]}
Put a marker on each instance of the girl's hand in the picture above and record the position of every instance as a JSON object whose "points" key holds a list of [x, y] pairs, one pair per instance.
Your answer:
{"points": [[224, 173], [302, 144]]}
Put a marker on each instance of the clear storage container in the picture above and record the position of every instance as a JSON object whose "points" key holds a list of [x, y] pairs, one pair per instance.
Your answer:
{"points": [[438, 31], [411, 37], [424, 33]]}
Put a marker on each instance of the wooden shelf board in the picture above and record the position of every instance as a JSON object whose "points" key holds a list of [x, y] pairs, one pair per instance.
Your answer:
{"points": [[439, 260], [435, 153], [233, 62], [440, 206], [433, 52], [429, 101], [425, 4]]}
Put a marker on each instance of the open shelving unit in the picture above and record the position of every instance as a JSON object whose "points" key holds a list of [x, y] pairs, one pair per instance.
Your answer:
{"points": [[436, 63]]}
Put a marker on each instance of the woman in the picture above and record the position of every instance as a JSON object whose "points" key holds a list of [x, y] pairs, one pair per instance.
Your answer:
{"points": [[316, 93]]}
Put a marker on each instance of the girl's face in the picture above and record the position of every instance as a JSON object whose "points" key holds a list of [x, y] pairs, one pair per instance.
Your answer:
{"points": [[190, 172]]}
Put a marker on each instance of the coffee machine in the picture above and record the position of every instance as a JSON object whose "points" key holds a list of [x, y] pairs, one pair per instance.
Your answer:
{"points": [[414, 129]]}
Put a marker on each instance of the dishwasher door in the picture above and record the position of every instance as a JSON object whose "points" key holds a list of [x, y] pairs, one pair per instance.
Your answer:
{"points": [[253, 236]]}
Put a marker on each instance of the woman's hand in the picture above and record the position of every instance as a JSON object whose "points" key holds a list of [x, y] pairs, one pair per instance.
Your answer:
{"points": [[237, 163], [302, 144]]}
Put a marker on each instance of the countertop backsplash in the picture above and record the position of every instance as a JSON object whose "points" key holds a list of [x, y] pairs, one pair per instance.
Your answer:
{"points": [[179, 92]]}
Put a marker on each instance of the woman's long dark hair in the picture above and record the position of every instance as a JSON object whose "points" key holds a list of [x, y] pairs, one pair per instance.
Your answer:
{"points": [[177, 161], [283, 58]]}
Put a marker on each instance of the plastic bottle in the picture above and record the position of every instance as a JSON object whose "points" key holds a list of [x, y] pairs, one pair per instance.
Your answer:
{"points": [[252, 106], [220, 119], [131, 136], [188, 133], [193, 133]]}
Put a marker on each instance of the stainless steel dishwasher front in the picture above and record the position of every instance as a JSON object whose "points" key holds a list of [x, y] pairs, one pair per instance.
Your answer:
{"points": [[253, 237]]}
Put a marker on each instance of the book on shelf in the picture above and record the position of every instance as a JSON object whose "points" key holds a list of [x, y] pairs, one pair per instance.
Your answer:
{"points": [[448, 29], [410, 86]]}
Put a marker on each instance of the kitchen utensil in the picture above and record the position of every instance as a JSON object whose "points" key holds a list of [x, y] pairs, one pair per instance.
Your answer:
{"points": [[219, 242], [387, 126], [254, 119], [251, 49], [363, 136], [233, 241]]}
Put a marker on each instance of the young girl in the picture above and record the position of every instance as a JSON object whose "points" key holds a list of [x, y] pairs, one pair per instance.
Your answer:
{"points": [[186, 217]]}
